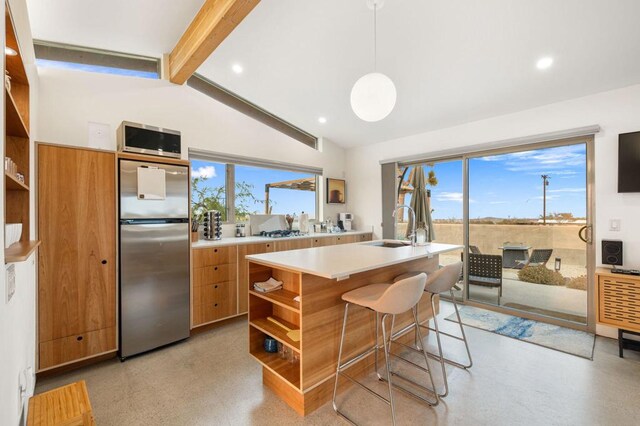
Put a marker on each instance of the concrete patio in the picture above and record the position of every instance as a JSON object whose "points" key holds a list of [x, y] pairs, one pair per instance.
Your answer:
{"points": [[556, 301]]}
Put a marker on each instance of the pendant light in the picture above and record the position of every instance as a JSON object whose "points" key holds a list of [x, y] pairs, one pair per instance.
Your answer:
{"points": [[373, 97]]}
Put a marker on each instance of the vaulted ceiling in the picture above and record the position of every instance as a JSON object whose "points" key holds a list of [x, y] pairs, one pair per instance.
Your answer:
{"points": [[452, 61]]}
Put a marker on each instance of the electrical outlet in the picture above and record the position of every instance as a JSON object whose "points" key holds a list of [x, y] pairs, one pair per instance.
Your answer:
{"points": [[10, 281], [614, 225]]}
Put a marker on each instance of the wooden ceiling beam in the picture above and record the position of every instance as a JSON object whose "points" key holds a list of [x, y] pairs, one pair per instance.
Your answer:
{"points": [[213, 23]]}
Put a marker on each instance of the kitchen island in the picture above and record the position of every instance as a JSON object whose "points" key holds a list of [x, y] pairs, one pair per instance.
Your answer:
{"points": [[314, 280]]}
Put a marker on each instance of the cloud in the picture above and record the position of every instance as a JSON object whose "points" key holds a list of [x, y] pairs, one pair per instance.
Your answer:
{"points": [[205, 172], [553, 161], [449, 196], [567, 190], [549, 197]]}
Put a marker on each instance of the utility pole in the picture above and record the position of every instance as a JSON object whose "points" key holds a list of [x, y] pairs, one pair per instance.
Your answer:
{"points": [[545, 183]]}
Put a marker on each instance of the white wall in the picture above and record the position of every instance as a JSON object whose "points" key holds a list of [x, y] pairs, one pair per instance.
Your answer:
{"points": [[18, 317], [70, 99], [616, 111]]}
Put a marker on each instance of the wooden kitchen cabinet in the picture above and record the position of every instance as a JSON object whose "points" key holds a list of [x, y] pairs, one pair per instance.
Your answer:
{"points": [[243, 270], [285, 245], [77, 257], [323, 241], [221, 276], [215, 288]]}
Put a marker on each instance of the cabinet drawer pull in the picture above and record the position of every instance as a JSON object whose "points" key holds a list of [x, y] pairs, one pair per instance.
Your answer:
{"points": [[215, 250], [215, 268], [216, 305], [216, 286], [79, 338], [104, 261]]}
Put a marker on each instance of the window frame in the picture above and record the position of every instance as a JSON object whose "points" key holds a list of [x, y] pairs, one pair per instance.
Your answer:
{"points": [[230, 174]]}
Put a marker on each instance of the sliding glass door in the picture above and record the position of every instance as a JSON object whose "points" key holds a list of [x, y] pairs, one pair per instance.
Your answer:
{"points": [[528, 212], [523, 215]]}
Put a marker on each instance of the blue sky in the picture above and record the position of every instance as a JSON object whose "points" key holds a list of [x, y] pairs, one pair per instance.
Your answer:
{"points": [[46, 63], [510, 186], [284, 200]]}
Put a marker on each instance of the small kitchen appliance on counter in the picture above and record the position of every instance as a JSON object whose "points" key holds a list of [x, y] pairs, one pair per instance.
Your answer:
{"points": [[346, 219], [213, 225]]}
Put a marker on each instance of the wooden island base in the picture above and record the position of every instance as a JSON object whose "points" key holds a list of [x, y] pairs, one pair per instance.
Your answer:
{"points": [[307, 383]]}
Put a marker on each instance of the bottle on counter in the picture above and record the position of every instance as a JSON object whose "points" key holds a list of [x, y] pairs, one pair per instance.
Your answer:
{"points": [[422, 234], [303, 223]]}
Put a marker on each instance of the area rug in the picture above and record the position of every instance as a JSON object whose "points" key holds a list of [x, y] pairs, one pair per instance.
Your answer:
{"points": [[567, 340]]}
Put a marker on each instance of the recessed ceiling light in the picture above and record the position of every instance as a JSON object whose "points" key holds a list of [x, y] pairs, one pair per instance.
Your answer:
{"points": [[322, 120], [237, 68], [544, 63], [9, 51]]}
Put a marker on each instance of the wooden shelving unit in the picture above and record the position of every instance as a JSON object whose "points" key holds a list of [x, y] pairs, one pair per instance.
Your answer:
{"points": [[280, 306], [17, 147]]}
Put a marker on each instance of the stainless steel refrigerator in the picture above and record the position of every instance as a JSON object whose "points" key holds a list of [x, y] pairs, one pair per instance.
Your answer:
{"points": [[154, 255]]}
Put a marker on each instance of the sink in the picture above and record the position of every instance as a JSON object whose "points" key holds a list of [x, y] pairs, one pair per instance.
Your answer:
{"points": [[389, 244]]}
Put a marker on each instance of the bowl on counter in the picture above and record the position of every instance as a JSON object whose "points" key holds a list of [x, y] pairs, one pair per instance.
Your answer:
{"points": [[12, 233]]}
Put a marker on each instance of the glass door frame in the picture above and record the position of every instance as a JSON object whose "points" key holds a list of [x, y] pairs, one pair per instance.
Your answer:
{"points": [[589, 142]]}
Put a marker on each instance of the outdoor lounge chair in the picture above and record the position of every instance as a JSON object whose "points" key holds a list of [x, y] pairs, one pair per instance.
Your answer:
{"points": [[486, 270], [539, 257]]}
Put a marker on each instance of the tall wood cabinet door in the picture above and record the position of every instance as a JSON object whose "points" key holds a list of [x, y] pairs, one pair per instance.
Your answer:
{"points": [[243, 271], [77, 257]]}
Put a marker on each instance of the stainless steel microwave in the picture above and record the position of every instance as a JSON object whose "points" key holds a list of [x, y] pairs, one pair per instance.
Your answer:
{"points": [[144, 139]]}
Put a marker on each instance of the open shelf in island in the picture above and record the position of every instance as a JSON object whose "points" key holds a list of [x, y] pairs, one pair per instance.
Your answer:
{"points": [[275, 331], [289, 371], [284, 298]]}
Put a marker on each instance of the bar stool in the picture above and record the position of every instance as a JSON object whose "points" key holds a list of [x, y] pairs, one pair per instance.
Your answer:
{"points": [[388, 300], [440, 281]]}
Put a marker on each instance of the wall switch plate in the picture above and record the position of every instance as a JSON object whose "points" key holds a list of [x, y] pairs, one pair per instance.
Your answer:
{"points": [[614, 225], [11, 282]]}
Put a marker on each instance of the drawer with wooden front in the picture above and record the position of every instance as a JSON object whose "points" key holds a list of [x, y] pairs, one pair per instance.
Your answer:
{"points": [[214, 274], [213, 256], [72, 348], [214, 301]]}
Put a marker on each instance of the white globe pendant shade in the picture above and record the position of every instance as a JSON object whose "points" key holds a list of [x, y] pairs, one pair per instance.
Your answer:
{"points": [[373, 97]]}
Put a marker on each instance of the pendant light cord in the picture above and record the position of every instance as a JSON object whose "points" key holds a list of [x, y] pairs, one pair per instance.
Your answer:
{"points": [[375, 36]]}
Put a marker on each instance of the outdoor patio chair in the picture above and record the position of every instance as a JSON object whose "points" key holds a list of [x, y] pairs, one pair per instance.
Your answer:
{"points": [[539, 257], [486, 270], [475, 250]]}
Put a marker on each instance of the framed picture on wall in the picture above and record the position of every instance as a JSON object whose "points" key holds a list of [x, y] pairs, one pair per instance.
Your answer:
{"points": [[335, 191]]}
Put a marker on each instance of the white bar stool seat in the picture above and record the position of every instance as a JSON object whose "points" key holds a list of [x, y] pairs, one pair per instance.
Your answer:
{"points": [[388, 300]]}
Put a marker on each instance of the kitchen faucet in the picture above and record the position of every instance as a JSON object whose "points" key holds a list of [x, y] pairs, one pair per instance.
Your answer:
{"points": [[413, 228]]}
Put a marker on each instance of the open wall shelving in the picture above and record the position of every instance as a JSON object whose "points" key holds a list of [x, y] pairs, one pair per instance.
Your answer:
{"points": [[17, 148]]}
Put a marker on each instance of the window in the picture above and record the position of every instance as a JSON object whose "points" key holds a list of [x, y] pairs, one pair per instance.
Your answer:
{"points": [[255, 189], [208, 188], [55, 55], [270, 191]]}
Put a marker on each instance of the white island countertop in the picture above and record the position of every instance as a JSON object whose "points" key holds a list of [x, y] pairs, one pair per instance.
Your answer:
{"points": [[341, 261]]}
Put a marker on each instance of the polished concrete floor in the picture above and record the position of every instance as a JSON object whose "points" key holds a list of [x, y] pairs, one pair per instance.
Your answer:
{"points": [[211, 380]]}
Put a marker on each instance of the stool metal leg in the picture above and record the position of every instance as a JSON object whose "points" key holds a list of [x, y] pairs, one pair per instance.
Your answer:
{"points": [[335, 386], [463, 339], [440, 353], [426, 357], [464, 336], [387, 343]]}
